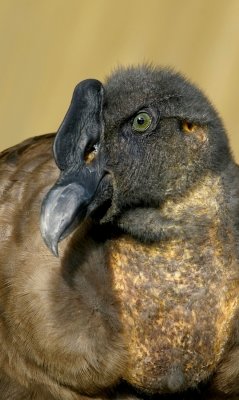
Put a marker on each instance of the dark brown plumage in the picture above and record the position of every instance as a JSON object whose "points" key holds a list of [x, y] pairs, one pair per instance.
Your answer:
{"points": [[143, 299]]}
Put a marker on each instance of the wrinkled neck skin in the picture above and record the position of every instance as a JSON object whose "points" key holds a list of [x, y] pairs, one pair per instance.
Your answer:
{"points": [[189, 217], [176, 274]]}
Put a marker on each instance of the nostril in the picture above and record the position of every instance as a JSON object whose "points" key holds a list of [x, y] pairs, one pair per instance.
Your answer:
{"points": [[90, 153]]}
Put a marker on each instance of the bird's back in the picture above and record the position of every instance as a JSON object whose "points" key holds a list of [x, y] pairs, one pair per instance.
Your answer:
{"points": [[59, 323]]}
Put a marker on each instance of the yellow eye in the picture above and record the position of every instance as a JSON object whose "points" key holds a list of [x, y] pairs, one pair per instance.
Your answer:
{"points": [[142, 122]]}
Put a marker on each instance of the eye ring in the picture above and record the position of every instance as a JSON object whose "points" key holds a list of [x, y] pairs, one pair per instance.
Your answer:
{"points": [[141, 122]]}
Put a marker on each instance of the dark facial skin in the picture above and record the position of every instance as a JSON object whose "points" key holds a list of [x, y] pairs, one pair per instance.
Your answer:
{"points": [[163, 161]]}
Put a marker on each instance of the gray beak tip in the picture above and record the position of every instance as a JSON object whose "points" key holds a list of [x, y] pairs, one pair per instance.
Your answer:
{"points": [[54, 250], [62, 209]]}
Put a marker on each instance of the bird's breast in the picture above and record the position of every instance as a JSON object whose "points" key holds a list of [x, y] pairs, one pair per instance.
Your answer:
{"points": [[177, 305]]}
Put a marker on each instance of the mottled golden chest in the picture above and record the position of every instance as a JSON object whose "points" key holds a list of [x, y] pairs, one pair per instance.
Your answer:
{"points": [[177, 303]]}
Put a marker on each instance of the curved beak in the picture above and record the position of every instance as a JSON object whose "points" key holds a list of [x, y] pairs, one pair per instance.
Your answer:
{"points": [[65, 206], [67, 202]]}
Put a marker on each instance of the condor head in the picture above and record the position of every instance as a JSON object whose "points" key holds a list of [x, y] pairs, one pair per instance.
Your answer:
{"points": [[147, 135]]}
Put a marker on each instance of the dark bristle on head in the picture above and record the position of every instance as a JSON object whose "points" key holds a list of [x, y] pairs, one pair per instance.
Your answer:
{"points": [[128, 87]]}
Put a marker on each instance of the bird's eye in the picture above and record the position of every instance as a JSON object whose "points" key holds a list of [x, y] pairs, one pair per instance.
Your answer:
{"points": [[142, 122]]}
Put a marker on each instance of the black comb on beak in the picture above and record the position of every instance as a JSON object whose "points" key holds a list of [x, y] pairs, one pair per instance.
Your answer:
{"points": [[65, 205]]}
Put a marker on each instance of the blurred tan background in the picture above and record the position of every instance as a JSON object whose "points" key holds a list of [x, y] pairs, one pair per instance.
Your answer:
{"points": [[48, 46]]}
